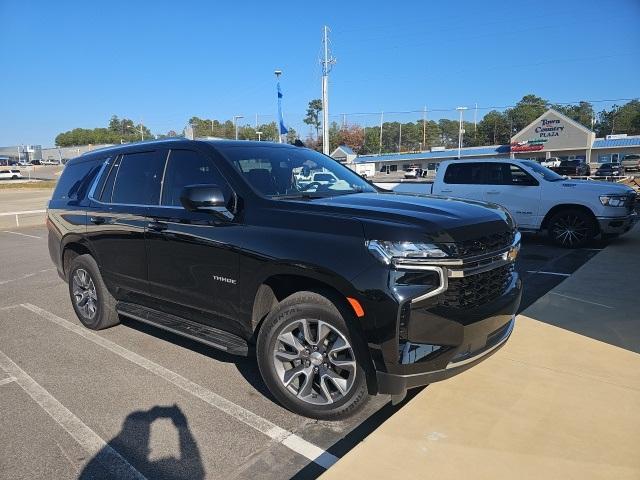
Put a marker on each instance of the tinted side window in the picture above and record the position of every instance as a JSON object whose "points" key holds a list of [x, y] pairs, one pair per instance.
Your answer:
{"points": [[187, 167], [138, 179], [464, 173], [76, 180], [508, 174]]}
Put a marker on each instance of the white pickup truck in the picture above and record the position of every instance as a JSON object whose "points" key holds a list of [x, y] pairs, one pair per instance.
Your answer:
{"points": [[571, 211]]}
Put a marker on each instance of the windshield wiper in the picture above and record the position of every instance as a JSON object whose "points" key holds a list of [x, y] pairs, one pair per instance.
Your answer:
{"points": [[297, 196]]}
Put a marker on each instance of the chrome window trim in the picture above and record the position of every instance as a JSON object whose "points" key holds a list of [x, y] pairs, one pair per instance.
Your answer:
{"points": [[96, 180]]}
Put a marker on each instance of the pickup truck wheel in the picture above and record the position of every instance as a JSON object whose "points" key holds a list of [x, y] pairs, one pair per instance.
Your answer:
{"points": [[571, 228], [308, 361], [92, 302]]}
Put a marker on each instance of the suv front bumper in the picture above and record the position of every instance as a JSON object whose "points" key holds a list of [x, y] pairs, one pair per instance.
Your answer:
{"points": [[442, 342]]}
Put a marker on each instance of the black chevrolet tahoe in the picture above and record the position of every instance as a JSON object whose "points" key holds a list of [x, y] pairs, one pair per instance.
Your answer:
{"points": [[343, 289]]}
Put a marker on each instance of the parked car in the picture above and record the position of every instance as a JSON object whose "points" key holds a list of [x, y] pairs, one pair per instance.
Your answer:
{"points": [[551, 162], [573, 168], [413, 173], [345, 289], [572, 212], [50, 162], [631, 162], [23, 163], [10, 174], [610, 170]]}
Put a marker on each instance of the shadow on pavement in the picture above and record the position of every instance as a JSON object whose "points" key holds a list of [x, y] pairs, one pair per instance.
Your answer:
{"points": [[245, 365], [132, 443], [356, 435]]}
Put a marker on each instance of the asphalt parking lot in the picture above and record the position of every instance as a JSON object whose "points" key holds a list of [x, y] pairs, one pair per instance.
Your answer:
{"points": [[136, 402]]}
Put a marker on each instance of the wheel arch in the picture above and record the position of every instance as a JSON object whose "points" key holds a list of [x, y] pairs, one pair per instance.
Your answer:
{"points": [[70, 250], [277, 287], [570, 206]]}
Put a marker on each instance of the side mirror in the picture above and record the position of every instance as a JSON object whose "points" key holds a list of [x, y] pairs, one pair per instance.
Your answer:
{"points": [[204, 198]]}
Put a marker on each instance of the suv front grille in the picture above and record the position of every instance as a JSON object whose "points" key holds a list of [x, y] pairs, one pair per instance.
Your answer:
{"points": [[482, 245], [479, 289]]}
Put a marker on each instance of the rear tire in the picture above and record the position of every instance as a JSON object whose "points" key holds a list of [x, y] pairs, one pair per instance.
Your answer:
{"points": [[92, 302], [308, 360], [571, 228]]}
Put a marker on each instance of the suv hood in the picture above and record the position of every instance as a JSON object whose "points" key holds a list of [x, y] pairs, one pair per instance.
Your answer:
{"points": [[412, 217]]}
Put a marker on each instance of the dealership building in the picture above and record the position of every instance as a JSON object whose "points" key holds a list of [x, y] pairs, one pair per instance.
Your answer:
{"points": [[550, 135]]}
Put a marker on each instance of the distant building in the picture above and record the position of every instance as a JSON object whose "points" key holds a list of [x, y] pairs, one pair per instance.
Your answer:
{"points": [[550, 135], [344, 154]]}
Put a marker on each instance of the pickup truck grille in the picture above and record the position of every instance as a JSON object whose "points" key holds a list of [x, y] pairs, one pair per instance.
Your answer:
{"points": [[479, 289], [481, 245]]}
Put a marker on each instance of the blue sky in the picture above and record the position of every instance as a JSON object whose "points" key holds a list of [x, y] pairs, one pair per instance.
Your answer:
{"points": [[73, 64]]}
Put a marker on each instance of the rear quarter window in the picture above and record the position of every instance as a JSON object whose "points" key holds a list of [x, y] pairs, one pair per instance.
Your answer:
{"points": [[76, 180]]}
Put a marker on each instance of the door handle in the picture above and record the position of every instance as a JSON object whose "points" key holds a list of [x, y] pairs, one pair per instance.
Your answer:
{"points": [[493, 192], [97, 220], [157, 226], [446, 191]]}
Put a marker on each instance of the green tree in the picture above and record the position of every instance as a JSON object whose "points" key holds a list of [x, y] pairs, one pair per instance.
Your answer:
{"points": [[493, 129], [313, 114], [526, 111], [582, 113]]}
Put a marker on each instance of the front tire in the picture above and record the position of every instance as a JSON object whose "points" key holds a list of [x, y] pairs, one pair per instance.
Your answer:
{"points": [[308, 360], [92, 302], [571, 228]]}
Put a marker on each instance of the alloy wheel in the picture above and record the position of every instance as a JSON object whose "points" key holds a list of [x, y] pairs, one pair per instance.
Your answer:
{"points": [[570, 230], [314, 361], [84, 293]]}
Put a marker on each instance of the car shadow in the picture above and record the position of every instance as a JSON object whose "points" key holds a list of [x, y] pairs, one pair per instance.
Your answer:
{"points": [[133, 444], [246, 365], [356, 435], [353, 432]]}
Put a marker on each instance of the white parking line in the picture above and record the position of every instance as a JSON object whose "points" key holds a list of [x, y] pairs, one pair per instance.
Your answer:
{"points": [[581, 300], [26, 275], [21, 234], [95, 446], [549, 273], [5, 381], [271, 430]]}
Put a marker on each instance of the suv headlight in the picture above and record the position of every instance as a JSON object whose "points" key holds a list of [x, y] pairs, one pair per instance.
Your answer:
{"points": [[613, 200], [402, 252]]}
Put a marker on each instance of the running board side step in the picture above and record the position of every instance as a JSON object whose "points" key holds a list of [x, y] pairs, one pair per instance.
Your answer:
{"points": [[199, 332]]}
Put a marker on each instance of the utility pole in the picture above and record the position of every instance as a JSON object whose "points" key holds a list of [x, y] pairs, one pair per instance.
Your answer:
{"points": [[460, 130], [327, 63], [400, 139], [141, 132], [475, 125], [424, 127], [235, 123], [381, 120]]}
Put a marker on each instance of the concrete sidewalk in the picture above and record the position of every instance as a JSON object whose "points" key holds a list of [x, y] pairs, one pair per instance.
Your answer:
{"points": [[560, 400]]}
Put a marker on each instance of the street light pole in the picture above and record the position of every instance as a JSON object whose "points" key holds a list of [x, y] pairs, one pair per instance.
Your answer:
{"points": [[235, 123], [277, 74], [460, 130]]}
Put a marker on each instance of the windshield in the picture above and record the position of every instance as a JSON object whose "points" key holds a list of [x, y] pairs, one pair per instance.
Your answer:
{"points": [[276, 171], [544, 172]]}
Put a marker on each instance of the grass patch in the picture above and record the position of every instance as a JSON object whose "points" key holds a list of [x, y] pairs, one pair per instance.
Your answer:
{"points": [[32, 184]]}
